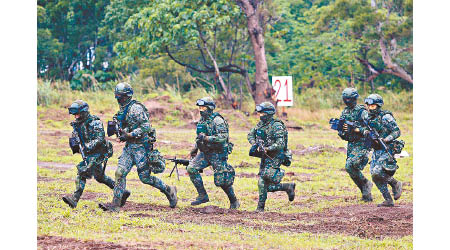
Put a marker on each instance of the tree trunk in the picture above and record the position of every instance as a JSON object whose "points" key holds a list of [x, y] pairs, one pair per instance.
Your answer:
{"points": [[227, 95], [391, 67], [262, 90]]}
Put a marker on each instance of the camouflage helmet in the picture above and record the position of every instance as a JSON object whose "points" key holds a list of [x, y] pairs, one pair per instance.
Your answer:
{"points": [[207, 102], [123, 88], [266, 107], [350, 93], [78, 106], [374, 99]]}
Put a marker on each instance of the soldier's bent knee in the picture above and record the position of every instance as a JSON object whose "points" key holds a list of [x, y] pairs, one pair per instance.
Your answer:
{"points": [[191, 170], [119, 173], [260, 183]]}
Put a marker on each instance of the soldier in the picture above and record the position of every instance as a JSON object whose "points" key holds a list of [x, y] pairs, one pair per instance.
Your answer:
{"points": [[88, 138], [357, 150], [383, 166], [213, 142], [135, 130], [269, 138]]}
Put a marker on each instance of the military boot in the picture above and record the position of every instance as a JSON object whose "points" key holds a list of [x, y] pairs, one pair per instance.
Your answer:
{"points": [[110, 207], [202, 195], [171, 195], [125, 196], [70, 200], [367, 191], [201, 198], [397, 188], [290, 190], [234, 203], [260, 207], [387, 200]]}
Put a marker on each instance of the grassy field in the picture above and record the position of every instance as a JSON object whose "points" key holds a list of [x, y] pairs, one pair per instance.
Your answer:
{"points": [[326, 212]]}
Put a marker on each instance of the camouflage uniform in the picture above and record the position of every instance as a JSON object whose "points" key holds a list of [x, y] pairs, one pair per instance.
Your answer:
{"points": [[382, 166], [357, 150], [90, 130], [275, 144], [134, 122], [213, 142]]}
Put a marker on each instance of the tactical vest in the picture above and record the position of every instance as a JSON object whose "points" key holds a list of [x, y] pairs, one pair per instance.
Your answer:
{"points": [[208, 129], [84, 129], [377, 123], [353, 116], [151, 136], [262, 133]]}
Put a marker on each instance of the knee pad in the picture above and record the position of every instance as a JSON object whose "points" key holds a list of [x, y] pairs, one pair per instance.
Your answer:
{"points": [[224, 179], [119, 173], [260, 183]]}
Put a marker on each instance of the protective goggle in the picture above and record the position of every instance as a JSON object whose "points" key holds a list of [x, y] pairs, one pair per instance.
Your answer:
{"points": [[261, 108], [201, 102], [369, 101], [73, 111]]}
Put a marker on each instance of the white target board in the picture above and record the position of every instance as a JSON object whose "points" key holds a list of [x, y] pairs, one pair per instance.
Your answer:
{"points": [[282, 85]]}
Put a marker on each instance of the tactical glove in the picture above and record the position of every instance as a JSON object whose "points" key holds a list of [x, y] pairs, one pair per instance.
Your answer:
{"points": [[193, 152], [125, 136], [201, 136]]}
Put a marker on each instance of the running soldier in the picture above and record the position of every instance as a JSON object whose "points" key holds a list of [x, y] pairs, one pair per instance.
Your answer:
{"points": [[133, 127], [383, 131], [357, 150], [269, 141], [88, 139], [213, 143]]}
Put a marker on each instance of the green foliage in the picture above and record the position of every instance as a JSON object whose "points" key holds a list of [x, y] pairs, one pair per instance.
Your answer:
{"points": [[317, 42]]}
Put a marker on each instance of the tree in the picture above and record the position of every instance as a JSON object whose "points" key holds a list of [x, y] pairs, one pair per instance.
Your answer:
{"points": [[384, 30], [196, 35], [255, 19], [70, 29]]}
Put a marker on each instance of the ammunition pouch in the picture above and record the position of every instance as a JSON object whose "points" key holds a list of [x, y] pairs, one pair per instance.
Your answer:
{"points": [[224, 179], [109, 149], [201, 128], [397, 146], [287, 158], [156, 161], [111, 128], [230, 147], [74, 145], [152, 135]]}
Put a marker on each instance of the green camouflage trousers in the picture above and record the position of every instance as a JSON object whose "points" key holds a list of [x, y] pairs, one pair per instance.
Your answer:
{"points": [[382, 170], [357, 158], [93, 168], [270, 175], [135, 154], [223, 172]]}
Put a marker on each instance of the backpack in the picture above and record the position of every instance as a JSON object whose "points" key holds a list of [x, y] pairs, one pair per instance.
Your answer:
{"points": [[286, 153]]}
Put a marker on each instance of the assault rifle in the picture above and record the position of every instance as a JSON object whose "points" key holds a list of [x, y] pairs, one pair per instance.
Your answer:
{"points": [[114, 128], [177, 161], [338, 124], [257, 150], [76, 146], [374, 136]]}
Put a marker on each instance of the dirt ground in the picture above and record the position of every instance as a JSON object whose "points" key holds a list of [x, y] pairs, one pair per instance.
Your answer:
{"points": [[364, 221]]}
